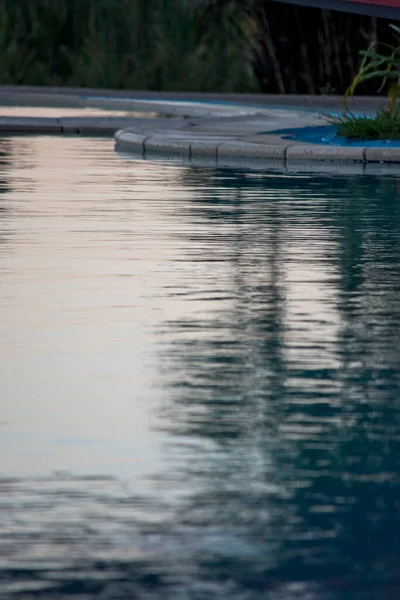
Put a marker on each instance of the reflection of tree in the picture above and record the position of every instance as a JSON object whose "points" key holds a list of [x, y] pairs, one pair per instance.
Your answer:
{"points": [[291, 464], [5, 151]]}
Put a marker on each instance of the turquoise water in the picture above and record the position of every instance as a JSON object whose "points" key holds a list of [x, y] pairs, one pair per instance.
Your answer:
{"points": [[200, 379], [327, 134]]}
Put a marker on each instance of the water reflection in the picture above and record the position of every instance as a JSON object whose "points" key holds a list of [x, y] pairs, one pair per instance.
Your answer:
{"points": [[294, 386], [218, 350]]}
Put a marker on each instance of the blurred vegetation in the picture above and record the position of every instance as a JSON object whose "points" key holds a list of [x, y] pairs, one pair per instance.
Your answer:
{"points": [[299, 49], [210, 45], [385, 67], [131, 44]]}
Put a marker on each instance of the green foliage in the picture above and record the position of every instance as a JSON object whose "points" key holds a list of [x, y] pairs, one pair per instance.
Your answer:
{"points": [[131, 44], [193, 45], [385, 66], [385, 125]]}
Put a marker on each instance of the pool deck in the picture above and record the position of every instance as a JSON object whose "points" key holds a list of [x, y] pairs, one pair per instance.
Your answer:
{"points": [[213, 128]]}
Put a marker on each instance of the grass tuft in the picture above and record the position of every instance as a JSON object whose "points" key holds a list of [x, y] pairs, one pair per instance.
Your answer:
{"points": [[385, 125]]}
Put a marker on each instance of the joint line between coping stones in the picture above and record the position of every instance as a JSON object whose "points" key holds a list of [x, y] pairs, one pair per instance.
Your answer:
{"points": [[144, 145], [217, 147], [364, 155], [191, 151], [285, 153]]}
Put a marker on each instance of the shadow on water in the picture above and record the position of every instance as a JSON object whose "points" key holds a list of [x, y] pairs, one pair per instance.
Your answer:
{"points": [[282, 458]]}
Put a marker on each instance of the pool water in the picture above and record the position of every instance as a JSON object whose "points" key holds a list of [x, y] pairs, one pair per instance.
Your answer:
{"points": [[327, 135], [200, 379]]}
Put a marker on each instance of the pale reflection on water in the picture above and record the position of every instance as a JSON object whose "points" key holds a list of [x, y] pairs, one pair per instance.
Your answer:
{"points": [[200, 379], [61, 111]]}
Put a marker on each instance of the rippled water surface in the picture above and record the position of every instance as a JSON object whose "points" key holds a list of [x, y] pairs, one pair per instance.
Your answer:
{"points": [[199, 380]]}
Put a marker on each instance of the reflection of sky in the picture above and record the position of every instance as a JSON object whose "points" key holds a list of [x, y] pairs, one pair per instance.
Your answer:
{"points": [[234, 334], [104, 254], [100, 259], [79, 301]]}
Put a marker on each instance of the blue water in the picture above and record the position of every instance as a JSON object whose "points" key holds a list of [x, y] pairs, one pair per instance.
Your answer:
{"points": [[327, 134], [200, 380]]}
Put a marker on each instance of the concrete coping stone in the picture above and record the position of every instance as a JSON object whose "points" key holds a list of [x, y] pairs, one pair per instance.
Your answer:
{"points": [[215, 130], [251, 150], [205, 148], [167, 144], [189, 143], [130, 141], [385, 155], [328, 153]]}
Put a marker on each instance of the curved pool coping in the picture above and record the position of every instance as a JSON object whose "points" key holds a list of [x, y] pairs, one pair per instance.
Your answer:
{"points": [[215, 129], [258, 134]]}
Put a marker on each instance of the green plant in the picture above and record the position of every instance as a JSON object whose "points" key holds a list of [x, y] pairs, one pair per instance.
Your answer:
{"points": [[375, 65], [385, 125]]}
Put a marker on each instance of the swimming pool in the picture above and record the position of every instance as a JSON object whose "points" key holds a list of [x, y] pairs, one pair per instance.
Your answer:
{"points": [[200, 379]]}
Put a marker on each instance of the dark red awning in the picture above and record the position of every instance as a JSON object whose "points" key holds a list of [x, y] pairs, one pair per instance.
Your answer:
{"points": [[388, 9]]}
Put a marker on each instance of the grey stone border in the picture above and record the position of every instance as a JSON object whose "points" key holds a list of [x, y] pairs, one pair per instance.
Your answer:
{"points": [[65, 125], [231, 150], [218, 129]]}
